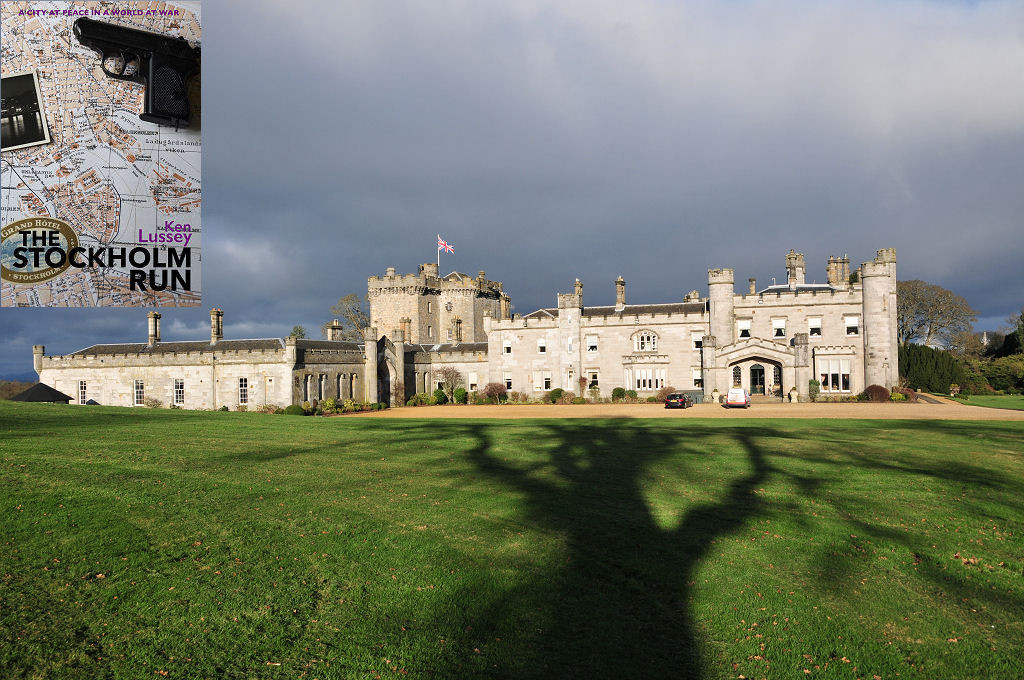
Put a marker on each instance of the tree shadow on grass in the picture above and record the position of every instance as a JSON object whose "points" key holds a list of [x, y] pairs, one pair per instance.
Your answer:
{"points": [[619, 607]]}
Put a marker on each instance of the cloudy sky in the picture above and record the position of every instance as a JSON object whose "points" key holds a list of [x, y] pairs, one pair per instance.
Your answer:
{"points": [[590, 138]]}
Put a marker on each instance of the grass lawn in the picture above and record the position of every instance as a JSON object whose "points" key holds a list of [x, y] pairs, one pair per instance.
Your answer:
{"points": [[155, 543], [1014, 401]]}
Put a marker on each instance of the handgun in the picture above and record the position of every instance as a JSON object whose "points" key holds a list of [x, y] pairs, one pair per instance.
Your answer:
{"points": [[162, 65]]}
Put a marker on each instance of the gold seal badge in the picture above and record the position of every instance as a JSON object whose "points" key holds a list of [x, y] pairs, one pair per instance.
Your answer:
{"points": [[35, 249]]}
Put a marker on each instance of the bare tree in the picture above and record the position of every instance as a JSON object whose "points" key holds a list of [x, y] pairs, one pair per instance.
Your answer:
{"points": [[930, 313], [451, 379], [351, 311]]}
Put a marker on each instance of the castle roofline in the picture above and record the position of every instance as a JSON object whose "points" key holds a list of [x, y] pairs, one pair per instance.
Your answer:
{"points": [[184, 346], [800, 288], [668, 308], [451, 347]]}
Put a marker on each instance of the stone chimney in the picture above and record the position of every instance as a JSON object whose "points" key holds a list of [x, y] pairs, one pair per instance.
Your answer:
{"points": [[506, 307], [390, 272], [216, 325], [334, 331], [429, 269], [154, 328], [620, 294], [796, 268], [753, 285], [37, 357], [578, 290]]}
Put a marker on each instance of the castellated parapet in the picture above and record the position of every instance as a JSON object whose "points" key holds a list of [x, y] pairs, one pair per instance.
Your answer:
{"points": [[434, 309]]}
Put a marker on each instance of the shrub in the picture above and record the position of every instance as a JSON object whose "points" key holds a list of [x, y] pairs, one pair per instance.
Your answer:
{"points": [[267, 408], [579, 400], [496, 391], [877, 393], [566, 397], [554, 395], [479, 399], [618, 394], [419, 399], [908, 394], [330, 405], [460, 395], [897, 396], [813, 389], [928, 369], [663, 393], [152, 402], [306, 407], [595, 394], [655, 400], [440, 397], [242, 408], [631, 395]]}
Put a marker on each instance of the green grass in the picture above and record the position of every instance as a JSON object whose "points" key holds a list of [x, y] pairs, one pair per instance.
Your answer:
{"points": [[1014, 401], [138, 543]]}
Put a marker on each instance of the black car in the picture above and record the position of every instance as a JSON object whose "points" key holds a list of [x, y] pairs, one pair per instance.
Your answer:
{"points": [[678, 400]]}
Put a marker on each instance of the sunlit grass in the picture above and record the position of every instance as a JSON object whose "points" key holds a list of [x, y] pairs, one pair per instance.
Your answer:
{"points": [[144, 542]]}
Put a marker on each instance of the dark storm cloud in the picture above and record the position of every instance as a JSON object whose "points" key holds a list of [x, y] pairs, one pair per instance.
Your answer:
{"points": [[592, 139]]}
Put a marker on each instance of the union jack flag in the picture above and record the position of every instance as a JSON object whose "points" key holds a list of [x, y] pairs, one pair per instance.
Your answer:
{"points": [[444, 245]]}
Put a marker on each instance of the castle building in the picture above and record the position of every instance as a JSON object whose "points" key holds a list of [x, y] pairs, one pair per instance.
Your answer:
{"points": [[841, 333]]}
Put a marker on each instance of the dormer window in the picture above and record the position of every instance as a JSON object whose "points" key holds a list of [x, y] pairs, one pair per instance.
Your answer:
{"points": [[645, 341]]}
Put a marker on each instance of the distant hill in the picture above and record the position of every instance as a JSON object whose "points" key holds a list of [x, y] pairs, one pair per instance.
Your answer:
{"points": [[9, 388]]}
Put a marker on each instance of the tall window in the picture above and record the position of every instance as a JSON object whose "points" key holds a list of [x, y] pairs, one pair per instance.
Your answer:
{"points": [[506, 347], [698, 379], [430, 332], [737, 376], [814, 327], [592, 380], [542, 346], [834, 375], [777, 376], [81, 392], [591, 343], [243, 391], [779, 328], [140, 392], [321, 387], [697, 337], [645, 341], [472, 381], [179, 391], [743, 328], [568, 347], [649, 378], [508, 381]]}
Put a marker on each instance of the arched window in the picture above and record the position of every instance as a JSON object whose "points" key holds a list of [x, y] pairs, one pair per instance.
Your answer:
{"points": [[737, 376], [645, 341]]}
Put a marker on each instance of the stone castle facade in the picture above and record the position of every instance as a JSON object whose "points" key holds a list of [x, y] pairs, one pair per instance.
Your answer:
{"points": [[842, 333]]}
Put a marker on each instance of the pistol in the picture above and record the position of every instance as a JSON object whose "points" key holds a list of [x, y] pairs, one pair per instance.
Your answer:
{"points": [[162, 65]]}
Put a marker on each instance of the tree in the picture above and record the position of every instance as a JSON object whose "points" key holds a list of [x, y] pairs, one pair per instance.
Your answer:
{"points": [[966, 345], [450, 378], [351, 312], [929, 313], [298, 331], [1013, 341]]}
